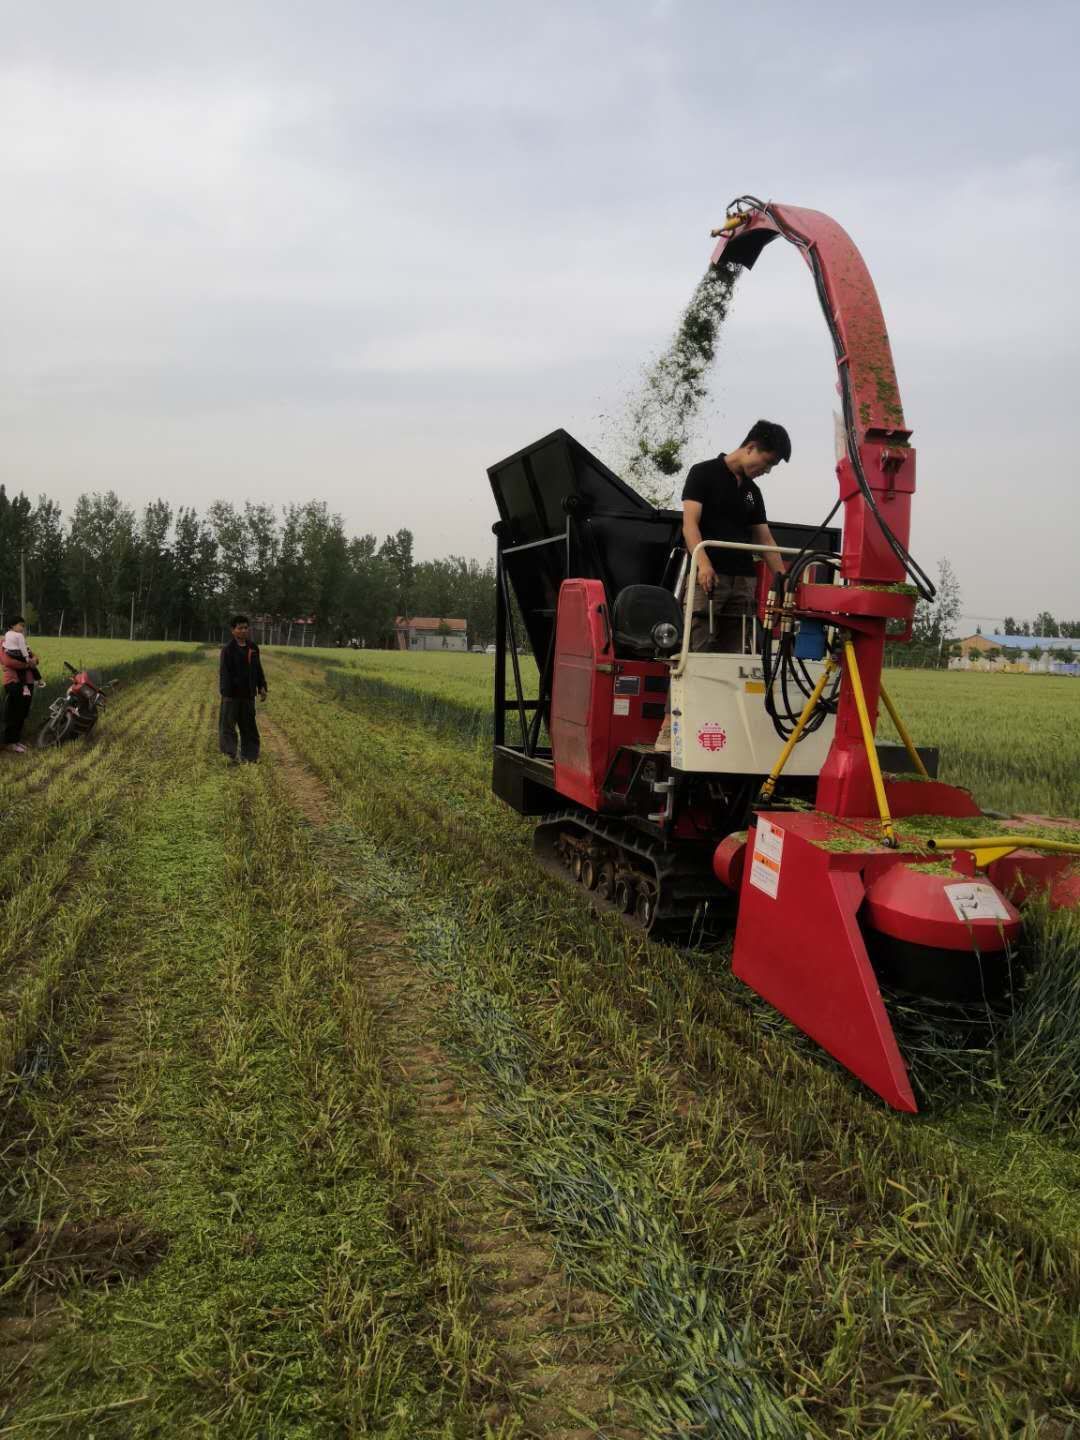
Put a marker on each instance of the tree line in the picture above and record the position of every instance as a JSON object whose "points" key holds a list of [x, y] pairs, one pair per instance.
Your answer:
{"points": [[1044, 625], [933, 626], [172, 573]]}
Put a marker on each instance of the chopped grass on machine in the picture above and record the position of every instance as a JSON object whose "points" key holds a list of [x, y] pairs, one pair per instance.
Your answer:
{"points": [[845, 863]]}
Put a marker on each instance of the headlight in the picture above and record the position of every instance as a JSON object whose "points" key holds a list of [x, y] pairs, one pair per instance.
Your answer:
{"points": [[665, 636]]}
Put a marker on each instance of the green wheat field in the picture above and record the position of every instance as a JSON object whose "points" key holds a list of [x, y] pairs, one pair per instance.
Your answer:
{"points": [[324, 1113]]}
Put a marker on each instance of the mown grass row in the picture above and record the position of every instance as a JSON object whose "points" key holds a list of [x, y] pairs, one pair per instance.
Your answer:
{"points": [[54, 836], [1011, 739], [223, 1109], [124, 661], [612, 1229], [890, 1288]]}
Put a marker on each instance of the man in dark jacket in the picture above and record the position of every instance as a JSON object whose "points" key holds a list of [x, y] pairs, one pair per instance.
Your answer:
{"points": [[241, 679]]}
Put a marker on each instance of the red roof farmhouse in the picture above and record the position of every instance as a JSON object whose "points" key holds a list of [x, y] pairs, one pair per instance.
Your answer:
{"points": [[430, 632]]}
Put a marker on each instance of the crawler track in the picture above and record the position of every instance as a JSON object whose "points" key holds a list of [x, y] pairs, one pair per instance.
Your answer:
{"points": [[669, 896]]}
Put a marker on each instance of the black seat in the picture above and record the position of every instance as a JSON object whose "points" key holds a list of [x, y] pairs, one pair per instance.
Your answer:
{"points": [[638, 610]]}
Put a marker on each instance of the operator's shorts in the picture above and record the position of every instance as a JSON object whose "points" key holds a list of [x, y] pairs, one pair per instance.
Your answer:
{"points": [[733, 612]]}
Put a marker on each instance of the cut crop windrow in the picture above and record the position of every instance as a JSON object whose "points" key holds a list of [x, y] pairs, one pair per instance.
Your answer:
{"points": [[46, 917], [610, 1225]]}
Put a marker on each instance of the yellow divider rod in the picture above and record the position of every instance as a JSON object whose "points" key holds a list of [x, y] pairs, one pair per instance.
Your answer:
{"points": [[793, 739], [868, 743], [988, 848], [902, 731], [1017, 842]]}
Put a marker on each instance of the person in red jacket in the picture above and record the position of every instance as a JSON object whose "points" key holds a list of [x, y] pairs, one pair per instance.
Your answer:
{"points": [[20, 672], [241, 678]]}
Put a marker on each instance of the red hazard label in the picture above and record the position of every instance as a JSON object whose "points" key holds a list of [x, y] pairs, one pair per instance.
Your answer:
{"points": [[712, 737]]}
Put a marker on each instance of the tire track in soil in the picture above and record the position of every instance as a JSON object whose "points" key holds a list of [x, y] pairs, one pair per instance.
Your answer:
{"points": [[525, 1302]]}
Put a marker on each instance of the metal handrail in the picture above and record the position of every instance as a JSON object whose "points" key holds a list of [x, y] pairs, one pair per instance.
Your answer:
{"points": [[691, 583]]}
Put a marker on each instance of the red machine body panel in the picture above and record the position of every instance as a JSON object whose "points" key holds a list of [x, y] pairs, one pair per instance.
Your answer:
{"points": [[1026, 873], [793, 883], [798, 944], [581, 692], [599, 704]]}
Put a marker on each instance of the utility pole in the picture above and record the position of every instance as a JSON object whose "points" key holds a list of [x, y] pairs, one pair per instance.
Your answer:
{"points": [[22, 582], [131, 635]]}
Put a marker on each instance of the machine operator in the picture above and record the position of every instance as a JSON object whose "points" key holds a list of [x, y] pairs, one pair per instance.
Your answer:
{"points": [[721, 501]]}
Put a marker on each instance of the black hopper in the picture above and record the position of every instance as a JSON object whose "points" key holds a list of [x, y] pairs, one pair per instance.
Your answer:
{"points": [[564, 513]]}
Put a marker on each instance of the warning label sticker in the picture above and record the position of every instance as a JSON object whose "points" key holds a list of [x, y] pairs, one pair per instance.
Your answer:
{"points": [[620, 706], [767, 858], [973, 901]]}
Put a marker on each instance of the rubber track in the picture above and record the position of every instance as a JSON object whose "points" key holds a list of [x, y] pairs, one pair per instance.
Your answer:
{"points": [[690, 897]]}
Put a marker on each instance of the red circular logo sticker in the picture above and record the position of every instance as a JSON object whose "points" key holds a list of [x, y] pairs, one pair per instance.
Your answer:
{"points": [[712, 737]]}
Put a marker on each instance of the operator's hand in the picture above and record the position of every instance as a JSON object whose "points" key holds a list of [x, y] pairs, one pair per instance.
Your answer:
{"points": [[262, 693], [707, 576]]}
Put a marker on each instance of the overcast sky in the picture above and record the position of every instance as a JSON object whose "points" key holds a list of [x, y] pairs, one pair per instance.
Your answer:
{"points": [[359, 252]]}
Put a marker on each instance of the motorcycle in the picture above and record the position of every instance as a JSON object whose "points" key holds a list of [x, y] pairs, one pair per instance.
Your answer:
{"points": [[74, 713]]}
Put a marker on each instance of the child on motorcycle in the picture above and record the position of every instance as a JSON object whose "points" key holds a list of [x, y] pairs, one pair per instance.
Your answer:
{"points": [[15, 645], [20, 673]]}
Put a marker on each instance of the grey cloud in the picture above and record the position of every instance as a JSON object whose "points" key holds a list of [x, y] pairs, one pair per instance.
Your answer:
{"points": [[282, 251]]}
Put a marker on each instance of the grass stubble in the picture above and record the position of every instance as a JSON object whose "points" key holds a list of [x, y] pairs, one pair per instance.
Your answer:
{"points": [[225, 1212], [881, 1279], [202, 1207]]}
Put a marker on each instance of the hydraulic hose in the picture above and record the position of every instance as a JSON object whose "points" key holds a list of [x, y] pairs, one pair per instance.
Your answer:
{"points": [[788, 682]]}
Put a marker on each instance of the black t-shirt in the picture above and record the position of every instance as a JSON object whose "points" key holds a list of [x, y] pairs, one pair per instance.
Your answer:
{"points": [[729, 507]]}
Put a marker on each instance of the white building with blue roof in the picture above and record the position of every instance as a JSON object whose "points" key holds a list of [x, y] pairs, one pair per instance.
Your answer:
{"points": [[1037, 654]]}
